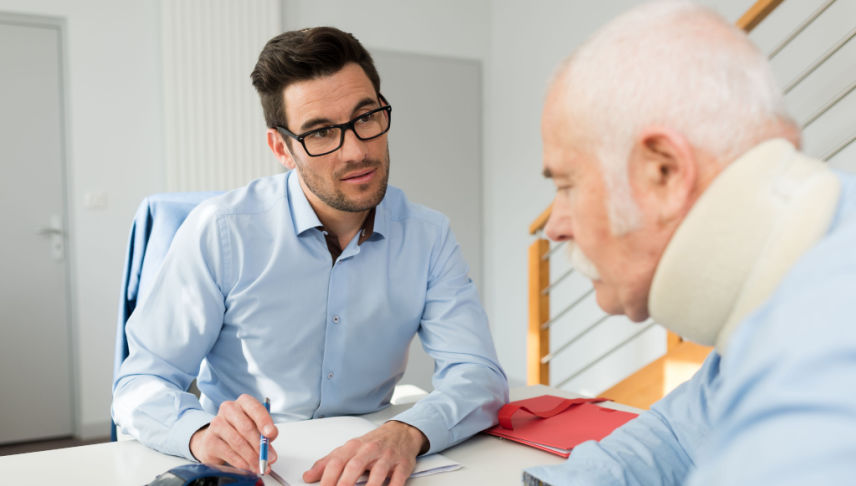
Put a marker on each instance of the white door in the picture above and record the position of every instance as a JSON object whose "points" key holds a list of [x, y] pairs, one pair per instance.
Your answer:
{"points": [[35, 365]]}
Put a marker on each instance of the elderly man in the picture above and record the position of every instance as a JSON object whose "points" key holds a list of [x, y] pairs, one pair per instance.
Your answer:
{"points": [[681, 195], [307, 287]]}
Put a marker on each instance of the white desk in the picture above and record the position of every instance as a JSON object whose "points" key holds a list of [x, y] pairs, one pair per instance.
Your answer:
{"points": [[485, 459]]}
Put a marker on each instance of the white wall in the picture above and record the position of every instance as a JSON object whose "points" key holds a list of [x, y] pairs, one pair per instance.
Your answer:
{"points": [[115, 145], [440, 27], [214, 130]]}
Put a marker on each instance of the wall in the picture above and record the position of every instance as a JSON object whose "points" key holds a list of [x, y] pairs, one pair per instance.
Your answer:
{"points": [[440, 28], [214, 129], [115, 146]]}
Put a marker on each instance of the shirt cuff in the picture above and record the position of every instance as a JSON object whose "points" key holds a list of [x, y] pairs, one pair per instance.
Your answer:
{"points": [[430, 423], [180, 434]]}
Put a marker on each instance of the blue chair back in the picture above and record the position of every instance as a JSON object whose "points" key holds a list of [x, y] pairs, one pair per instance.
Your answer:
{"points": [[155, 223]]}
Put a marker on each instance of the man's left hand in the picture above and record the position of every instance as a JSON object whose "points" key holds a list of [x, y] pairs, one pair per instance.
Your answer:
{"points": [[387, 452]]}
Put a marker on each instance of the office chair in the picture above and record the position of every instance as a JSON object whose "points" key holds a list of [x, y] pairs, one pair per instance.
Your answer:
{"points": [[155, 223]]}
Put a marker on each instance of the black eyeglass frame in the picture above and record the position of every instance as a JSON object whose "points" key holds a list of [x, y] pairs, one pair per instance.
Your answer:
{"points": [[343, 127]]}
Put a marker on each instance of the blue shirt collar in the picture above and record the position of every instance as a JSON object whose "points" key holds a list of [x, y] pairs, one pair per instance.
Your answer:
{"points": [[304, 216]]}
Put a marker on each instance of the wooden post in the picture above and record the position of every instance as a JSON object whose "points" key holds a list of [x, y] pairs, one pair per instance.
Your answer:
{"points": [[538, 340]]}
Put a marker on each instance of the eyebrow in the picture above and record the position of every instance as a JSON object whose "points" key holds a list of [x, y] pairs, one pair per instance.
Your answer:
{"points": [[319, 121]]}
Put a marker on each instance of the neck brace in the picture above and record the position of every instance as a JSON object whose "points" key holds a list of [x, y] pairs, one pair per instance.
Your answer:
{"points": [[735, 245]]}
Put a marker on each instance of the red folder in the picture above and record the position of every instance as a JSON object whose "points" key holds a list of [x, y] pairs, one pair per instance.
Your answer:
{"points": [[556, 424]]}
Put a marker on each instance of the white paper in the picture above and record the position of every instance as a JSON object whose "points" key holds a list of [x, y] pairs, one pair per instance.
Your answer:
{"points": [[300, 444]]}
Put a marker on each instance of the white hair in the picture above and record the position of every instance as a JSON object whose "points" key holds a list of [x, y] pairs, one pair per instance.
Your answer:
{"points": [[672, 64]]}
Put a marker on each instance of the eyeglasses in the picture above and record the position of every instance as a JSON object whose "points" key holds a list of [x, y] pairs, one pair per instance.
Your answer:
{"points": [[326, 140]]}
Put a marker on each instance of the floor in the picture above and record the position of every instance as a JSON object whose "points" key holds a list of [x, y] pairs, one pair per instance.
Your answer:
{"points": [[44, 445]]}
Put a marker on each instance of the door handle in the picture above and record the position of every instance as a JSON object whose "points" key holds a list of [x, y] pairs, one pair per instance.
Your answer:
{"points": [[57, 236], [49, 231]]}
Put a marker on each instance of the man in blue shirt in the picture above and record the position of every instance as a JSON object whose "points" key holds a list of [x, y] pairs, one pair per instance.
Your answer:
{"points": [[682, 195], [307, 287]]}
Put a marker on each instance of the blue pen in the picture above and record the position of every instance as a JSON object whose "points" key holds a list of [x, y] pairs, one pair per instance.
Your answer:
{"points": [[263, 445]]}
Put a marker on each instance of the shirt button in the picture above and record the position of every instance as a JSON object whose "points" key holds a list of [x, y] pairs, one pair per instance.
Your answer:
{"points": [[336, 319], [330, 375]]}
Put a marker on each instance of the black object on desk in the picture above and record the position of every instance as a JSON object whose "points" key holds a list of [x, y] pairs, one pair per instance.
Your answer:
{"points": [[206, 475]]}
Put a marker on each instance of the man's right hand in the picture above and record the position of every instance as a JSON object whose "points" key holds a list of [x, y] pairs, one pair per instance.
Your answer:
{"points": [[233, 435]]}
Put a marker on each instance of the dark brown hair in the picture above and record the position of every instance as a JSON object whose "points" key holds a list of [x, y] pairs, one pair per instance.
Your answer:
{"points": [[305, 54]]}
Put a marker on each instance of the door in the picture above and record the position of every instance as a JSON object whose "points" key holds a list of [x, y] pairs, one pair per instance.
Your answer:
{"points": [[35, 364]]}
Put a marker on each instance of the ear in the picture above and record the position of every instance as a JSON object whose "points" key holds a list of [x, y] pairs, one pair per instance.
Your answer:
{"points": [[279, 148], [663, 172]]}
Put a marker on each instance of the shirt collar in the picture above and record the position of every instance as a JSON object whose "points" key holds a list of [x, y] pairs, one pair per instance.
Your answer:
{"points": [[304, 216], [381, 219]]}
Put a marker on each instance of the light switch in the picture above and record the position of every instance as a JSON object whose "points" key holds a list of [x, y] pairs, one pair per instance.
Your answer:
{"points": [[95, 200]]}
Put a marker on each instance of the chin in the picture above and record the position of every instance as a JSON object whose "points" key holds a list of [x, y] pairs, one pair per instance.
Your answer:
{"points": [[607, 300], [639, 316], [610, 303]]}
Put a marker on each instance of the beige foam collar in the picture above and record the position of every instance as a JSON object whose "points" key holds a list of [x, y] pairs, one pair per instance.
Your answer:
{"points": [[740, 238]]}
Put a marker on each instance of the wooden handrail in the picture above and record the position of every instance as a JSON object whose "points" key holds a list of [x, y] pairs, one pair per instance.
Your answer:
{"points": [[757, 13], [748, 21], [540, 221]]}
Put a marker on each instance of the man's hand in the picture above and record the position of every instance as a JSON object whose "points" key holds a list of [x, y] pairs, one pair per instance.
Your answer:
{"points": [[387, 452], [233, 435]]}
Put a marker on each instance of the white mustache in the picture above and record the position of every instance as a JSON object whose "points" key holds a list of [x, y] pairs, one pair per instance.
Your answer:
{"points": [[580, 263]]}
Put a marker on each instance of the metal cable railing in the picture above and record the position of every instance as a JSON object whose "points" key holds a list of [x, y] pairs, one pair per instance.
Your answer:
{"points": [[605, 355], [800, 28], [811, 68], [840, 146]]}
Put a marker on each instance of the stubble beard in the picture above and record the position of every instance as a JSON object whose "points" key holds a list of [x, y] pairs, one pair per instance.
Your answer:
{"points": [[337, 199]]}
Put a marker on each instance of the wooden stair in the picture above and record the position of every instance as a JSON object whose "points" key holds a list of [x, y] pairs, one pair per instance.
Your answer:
{"points": [[654, 381]]}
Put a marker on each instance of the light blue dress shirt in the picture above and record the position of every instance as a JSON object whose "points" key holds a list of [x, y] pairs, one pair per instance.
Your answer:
{"points": [[780, 406], [248, 300]]}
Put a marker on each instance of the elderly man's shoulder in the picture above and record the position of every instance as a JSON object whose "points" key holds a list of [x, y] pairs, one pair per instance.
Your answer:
{"points": [[811, 312]]}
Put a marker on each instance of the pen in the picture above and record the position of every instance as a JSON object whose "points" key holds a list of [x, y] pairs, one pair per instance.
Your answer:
{"points": [[263, 445]]}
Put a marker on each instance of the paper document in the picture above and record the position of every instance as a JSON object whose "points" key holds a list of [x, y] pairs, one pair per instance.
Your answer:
{"points": [[300, 444]]}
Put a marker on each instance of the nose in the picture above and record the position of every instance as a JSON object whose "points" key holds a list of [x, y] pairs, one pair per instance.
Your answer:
{"points": [[558, 227], [353, 149]]}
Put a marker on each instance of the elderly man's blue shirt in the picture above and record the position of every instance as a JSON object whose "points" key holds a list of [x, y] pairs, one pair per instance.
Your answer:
{"points": [[780, 406]]}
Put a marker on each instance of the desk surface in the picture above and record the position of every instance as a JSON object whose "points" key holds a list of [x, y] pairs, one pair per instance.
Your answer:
{"points": [[485, 459]]}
